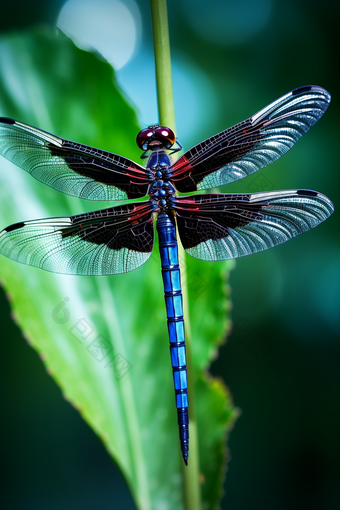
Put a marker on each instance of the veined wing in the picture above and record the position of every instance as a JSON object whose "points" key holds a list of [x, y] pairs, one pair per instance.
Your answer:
{"points": [[227, 226], [109, 241], [69, 167], [252, 144]]}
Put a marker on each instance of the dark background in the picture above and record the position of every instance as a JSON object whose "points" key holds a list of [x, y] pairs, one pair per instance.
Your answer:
{"points": [[281, 362]]}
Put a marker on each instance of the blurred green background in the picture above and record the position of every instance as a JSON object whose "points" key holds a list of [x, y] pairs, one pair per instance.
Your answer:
{"points": [[281, 361]]}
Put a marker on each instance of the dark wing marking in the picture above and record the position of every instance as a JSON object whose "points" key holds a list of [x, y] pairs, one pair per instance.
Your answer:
{"points": [[109, 241], [221, 227], [252, 144], [69, 167]]}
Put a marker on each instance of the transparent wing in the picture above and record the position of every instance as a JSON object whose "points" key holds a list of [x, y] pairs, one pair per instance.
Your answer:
{"points": [[227, 226], [252, 144], [69, 167], [109, 241]]}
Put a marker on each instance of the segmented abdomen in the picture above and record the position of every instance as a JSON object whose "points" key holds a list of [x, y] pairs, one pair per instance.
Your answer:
{"points": [[174, 307]]}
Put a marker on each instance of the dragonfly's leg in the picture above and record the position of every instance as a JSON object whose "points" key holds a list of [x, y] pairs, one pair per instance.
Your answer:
{"points": [[176, 149]]}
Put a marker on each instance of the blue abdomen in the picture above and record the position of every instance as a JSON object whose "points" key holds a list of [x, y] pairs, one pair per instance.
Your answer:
{"points": [[174, 307]]}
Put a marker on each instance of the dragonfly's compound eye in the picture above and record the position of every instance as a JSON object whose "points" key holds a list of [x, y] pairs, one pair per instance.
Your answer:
{"points": [[144, 137], [167, 135], [155, 137]]}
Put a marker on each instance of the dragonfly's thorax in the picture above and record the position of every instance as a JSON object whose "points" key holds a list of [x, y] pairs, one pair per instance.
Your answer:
{"points": [[161, 189], [158, 160]]}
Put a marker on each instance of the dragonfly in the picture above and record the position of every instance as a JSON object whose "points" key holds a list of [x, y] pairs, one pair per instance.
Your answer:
{"points": [[211, 227]]}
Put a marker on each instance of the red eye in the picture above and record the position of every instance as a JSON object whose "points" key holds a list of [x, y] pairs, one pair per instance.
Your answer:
{"points": [[143, 138], [155, 137], [166, 134]]}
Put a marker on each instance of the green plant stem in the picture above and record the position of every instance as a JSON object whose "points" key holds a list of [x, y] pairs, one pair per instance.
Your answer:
{"points": [[190, 473], [161, 44]]}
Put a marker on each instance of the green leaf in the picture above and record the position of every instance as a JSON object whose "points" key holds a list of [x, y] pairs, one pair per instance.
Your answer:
{"points": [[48, 82]]}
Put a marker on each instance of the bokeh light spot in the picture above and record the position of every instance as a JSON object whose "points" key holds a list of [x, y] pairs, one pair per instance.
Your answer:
{"points": [[110, 27]]}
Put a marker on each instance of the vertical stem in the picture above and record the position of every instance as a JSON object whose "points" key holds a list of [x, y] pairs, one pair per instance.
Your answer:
{"points": [[190, 473], [161, 45]]}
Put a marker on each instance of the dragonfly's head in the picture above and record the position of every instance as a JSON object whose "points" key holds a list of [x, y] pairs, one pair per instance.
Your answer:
{"points": [[155, 137]]}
